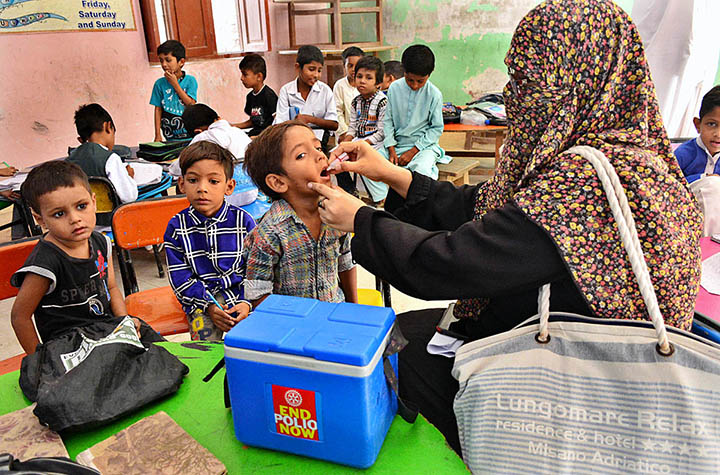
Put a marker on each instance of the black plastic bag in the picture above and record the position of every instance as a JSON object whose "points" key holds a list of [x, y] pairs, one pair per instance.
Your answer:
{"points": [[97, 373]]}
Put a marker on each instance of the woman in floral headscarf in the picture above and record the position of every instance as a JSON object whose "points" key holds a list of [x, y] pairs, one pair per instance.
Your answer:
{"points": [[578, 76]]}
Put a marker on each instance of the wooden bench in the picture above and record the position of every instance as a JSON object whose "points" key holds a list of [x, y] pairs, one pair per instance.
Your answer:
{"points": [[457, 171]]}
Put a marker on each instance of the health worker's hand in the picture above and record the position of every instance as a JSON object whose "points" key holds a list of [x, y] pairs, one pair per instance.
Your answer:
{"points": [[337, 207]]}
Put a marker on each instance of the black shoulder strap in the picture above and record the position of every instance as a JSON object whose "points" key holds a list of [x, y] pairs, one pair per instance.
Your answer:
{"points": [[406, 409], [212, 373]]}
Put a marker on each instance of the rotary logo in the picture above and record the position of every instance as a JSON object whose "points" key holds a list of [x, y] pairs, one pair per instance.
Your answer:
{"points": [[293, 398]]}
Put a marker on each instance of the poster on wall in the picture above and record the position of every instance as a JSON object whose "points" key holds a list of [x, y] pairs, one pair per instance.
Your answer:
{"points": [[24, 16]]}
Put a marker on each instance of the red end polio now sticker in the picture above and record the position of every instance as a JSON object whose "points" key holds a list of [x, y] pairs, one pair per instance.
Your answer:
{"points": [[295, 412]]}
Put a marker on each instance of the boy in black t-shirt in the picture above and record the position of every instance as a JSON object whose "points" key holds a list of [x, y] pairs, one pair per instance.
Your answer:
{"points": [[261, 101], [68, 280]]}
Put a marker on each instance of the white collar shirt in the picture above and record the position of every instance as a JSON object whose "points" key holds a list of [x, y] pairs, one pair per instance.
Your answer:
{"points": [[711, 159], [320, 103], [222, 133]]}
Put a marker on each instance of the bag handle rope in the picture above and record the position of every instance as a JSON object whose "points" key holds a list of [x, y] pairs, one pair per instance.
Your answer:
{"points": [[628, 234]]}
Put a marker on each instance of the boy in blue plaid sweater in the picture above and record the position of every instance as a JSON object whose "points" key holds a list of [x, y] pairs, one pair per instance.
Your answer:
{"points": [[204, 244]]}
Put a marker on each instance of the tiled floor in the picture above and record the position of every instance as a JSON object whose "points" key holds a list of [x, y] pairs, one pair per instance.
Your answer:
{"points": [[148, 278]]}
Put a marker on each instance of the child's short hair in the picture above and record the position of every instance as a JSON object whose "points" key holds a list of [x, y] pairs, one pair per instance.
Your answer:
{"points": [[371, 63], [89, 118], [418, 59], [205, 150], [710, 101], [197, 116], [309, 53], [173, 47], [50, 176], [255, 63], [351, 51], [264, 155], [394, 68]]}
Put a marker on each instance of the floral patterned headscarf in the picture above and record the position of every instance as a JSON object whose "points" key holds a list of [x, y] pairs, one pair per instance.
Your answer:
{"points": [[581, 78]]}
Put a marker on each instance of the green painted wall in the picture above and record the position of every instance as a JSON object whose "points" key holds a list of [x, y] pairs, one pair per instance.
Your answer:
{"points": [[469, 38]]}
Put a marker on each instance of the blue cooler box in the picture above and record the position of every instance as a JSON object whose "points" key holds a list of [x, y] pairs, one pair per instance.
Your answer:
{"points": [[307, 377]]}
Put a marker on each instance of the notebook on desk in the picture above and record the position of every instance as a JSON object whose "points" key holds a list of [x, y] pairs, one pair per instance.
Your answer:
{"points": [[22, 436], [14, 182], [147, 173], [155, 444]]}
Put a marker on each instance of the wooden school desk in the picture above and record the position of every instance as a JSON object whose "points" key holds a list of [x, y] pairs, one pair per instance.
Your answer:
{"points": [[472, 133], [708, 304], [466, 159], [199, 408]]}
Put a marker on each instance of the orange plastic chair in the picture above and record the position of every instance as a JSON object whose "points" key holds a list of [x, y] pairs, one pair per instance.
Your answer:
{"points": [[140, 224], [13, 254]]}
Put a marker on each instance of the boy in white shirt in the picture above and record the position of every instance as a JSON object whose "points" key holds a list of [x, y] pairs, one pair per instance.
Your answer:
{"points": [[308, 99], [345, 91], [203, 124]]}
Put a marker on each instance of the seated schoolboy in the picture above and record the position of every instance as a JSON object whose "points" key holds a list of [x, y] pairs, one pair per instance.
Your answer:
{"points": [[291, 252], [394, 70], [96, 133], [204, 244], [261, 102], [172, 92], [9, 196], [367, 110], [413, 119], [68, 280], [344, 89], [203, 123], [699, 157], [308, 99]]}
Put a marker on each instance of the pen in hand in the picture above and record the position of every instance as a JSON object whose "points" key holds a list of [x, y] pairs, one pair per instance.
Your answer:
{"points": [[9, 170], [217, 304]]}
